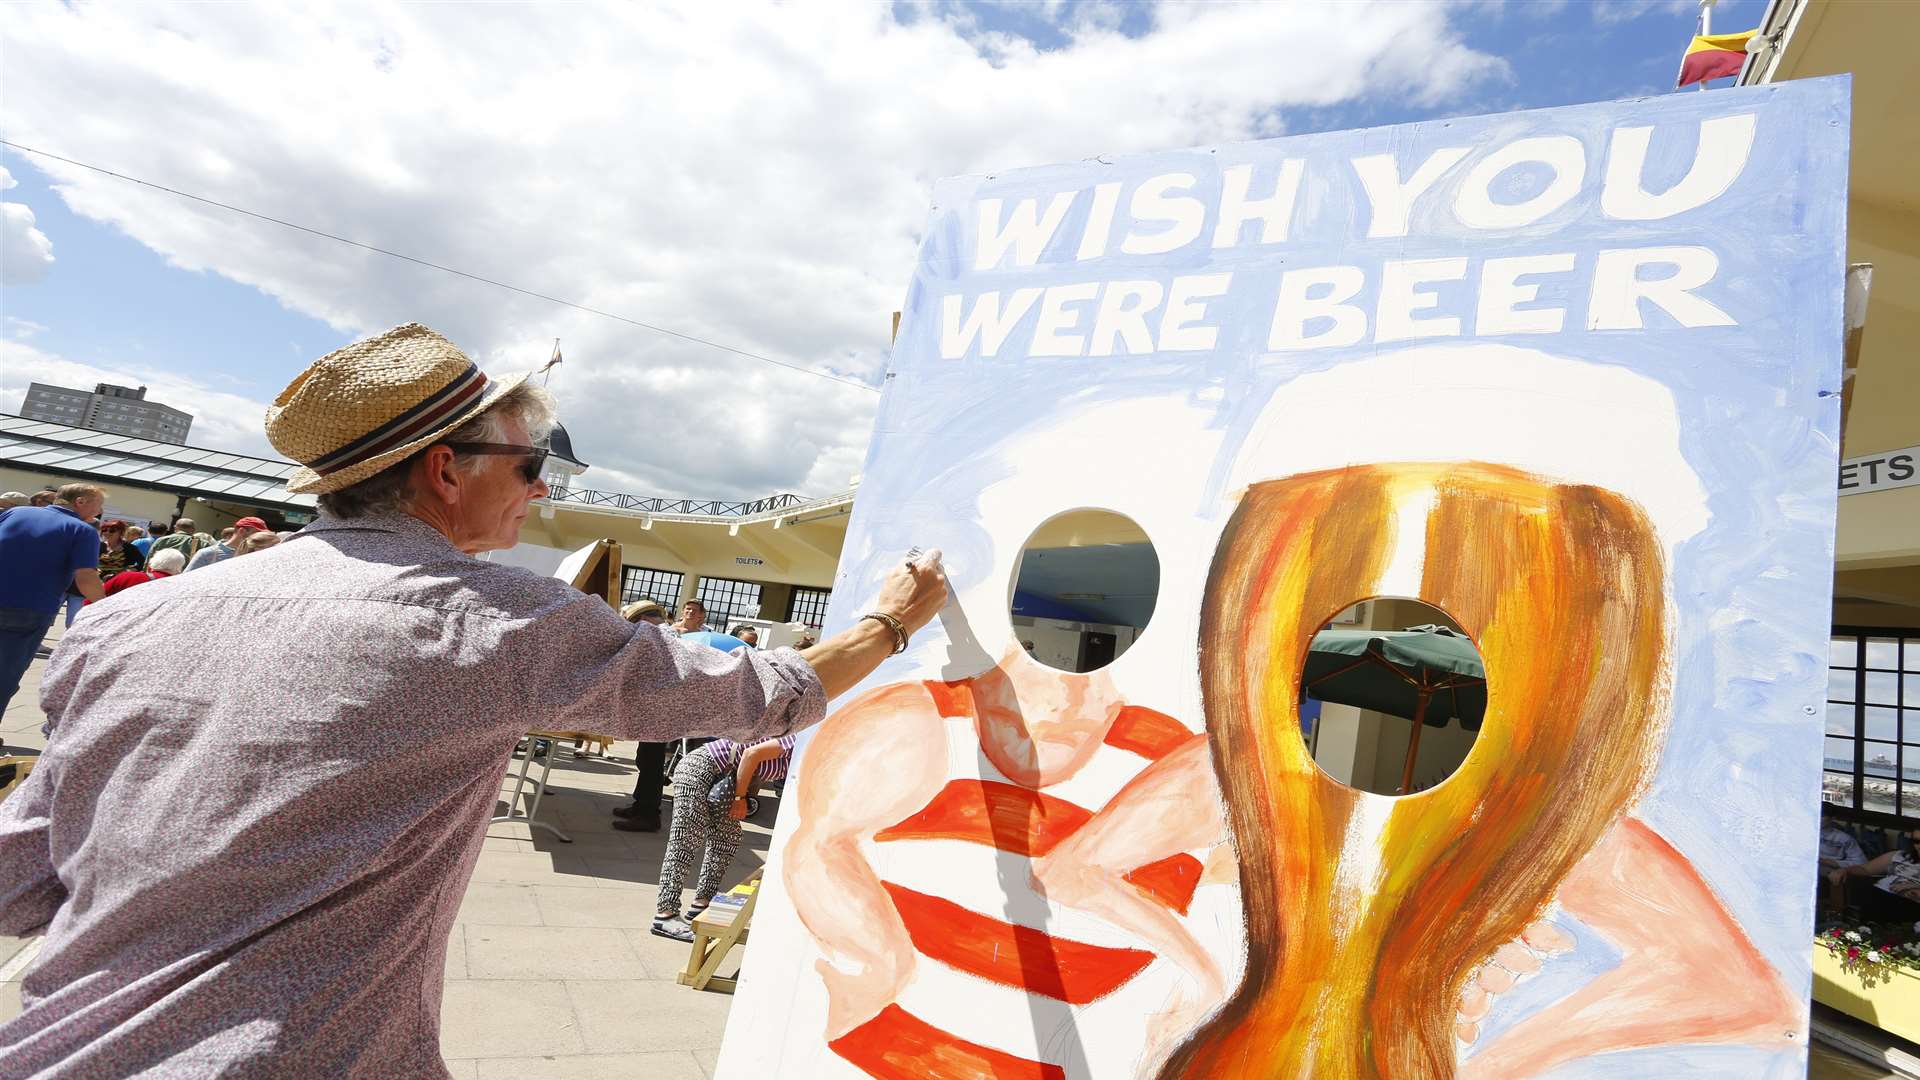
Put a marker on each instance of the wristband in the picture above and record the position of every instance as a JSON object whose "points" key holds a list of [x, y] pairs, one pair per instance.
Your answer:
{"points": [[893, 624]]}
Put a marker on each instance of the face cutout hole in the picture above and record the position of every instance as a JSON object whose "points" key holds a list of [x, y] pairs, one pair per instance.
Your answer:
{"points": [[1083, 589], [1367, 674]]}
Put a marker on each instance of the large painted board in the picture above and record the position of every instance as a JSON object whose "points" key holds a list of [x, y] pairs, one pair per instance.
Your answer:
{"points": [[1571, 376]]}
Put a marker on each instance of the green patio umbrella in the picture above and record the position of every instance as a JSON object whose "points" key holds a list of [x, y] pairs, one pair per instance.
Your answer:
{"points": [[1427, 674]]}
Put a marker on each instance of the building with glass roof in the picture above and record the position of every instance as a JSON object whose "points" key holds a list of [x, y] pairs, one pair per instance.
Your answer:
{"points": [[149, 480]]}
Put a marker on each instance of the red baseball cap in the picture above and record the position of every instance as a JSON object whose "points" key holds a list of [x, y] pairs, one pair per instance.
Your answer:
{"points": [[250, 523]]}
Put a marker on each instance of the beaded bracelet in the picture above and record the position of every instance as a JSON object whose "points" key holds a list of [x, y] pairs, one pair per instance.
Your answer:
{"points": [[893, 624]]}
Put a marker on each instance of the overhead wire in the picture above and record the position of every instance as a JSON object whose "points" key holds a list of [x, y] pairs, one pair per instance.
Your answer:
{"points": [[282, 222]]}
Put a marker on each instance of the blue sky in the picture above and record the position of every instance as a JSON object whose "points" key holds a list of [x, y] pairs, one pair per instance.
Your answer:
{"points": [[265, 301]]}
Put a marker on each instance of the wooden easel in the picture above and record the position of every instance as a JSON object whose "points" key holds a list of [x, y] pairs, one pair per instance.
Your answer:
{"points": [[597, 575], [715, 932]]}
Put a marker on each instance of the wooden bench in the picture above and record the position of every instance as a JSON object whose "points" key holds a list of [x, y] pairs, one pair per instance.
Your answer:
{"points": [[715, 932]]}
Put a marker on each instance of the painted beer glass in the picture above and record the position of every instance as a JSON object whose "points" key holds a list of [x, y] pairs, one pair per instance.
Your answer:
{"points": [[1367, 915]]}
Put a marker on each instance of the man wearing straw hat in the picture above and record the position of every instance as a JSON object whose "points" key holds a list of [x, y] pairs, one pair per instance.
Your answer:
{"points": [[247, 855]]}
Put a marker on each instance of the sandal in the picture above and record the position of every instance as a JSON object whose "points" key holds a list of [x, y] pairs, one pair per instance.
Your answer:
{"points": [[676, 928]]}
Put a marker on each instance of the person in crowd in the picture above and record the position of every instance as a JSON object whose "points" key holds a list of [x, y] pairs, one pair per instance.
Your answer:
{"points": [[710, 789], [163, 564], [228, 545], [116, 553], [259, 541], [44, 551], [643, 814], [747, 634], [693, 617], [1896, 874], [155, 530], [645, 611], [183, 538], [1839, 849], [47, 497], [137, 536], [274, 897], [11, 499]]}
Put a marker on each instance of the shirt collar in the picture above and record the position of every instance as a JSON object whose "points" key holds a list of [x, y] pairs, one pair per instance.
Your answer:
{"points": [[399, 523], [67, 510]]}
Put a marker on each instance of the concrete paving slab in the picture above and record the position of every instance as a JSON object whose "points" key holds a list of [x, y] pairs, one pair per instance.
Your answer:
{"points": [[673, 1065], [665, 958], [456, 965], [632, 1016], [532, 868], [499, 904], [567, 906], [482, 1018], [549, 952]]}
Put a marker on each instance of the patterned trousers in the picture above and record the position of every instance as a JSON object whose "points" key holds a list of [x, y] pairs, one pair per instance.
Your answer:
{"points": [[699, 830]]}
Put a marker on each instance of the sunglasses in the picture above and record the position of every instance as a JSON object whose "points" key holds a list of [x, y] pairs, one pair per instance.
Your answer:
{"points": [[531, 457]]}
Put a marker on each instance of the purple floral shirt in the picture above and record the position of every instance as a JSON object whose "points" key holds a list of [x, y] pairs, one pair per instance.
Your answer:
{"points": [[267, 783]]}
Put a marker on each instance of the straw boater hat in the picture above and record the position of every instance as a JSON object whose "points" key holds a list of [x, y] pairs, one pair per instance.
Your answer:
{"points": [[361, 408]]}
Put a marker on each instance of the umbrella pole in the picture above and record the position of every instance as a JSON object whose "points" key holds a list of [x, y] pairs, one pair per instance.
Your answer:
{"points": [[1413, 744]]}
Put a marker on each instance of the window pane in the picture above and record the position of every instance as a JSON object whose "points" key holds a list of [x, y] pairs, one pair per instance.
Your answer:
{"points": [[1883, 723], [661, 586], [1910, 691], [1841, 718], [1910, 655], [1910, 801], [1877, 796], [727, 599], [1882, 688], [1837, 787], [1883, 652], [1879, 759], [1839, 754], [1844, 652], [1839, 685], [809, 606]]}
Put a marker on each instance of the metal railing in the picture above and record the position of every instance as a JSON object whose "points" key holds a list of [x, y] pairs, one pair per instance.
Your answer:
{"points": [[644, 505]]}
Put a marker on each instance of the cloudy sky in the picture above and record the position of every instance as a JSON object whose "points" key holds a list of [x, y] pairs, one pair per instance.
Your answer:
{"points": [[750, 174]]}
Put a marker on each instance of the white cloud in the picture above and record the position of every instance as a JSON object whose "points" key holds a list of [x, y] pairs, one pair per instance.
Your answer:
{"points": [[22, 329], [753, 174], [1608, 12], [25, 252], [222, 421]]}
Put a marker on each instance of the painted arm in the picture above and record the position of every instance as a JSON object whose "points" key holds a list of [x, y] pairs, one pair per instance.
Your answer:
{"points": [[1172, 807], [873, 763], [1688, 974]]}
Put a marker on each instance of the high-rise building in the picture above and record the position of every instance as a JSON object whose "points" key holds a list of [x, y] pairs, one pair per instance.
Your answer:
{"points": [[123, 410]]}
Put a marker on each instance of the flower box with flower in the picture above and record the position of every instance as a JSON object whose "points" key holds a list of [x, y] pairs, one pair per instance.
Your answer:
{"points": [[1871, 973]]}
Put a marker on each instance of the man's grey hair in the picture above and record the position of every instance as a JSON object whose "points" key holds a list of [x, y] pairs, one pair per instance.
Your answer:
{"points": [[391, 488], [168, 561]]}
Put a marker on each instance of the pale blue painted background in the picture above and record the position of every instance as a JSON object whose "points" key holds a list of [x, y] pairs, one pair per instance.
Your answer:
{"points": [[1738, 789]]}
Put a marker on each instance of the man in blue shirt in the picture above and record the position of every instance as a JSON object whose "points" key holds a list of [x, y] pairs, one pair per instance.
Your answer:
{"points": [[43, 549]]}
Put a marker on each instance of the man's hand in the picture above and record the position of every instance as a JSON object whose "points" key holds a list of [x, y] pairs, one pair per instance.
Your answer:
{"points": [[738, 811], [915, 591]]}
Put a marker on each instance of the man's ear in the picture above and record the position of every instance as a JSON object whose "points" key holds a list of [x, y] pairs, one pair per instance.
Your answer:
{"points": [[435, 474]]}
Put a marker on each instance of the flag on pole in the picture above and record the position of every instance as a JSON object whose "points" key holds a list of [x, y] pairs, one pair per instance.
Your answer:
{"points": [[556, 353], [1713, 56]]}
